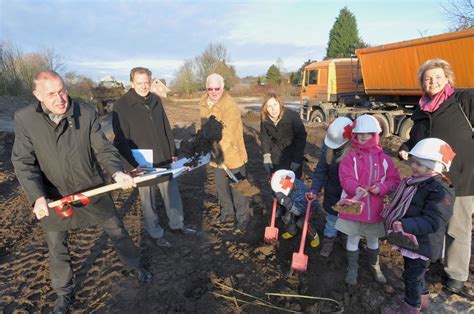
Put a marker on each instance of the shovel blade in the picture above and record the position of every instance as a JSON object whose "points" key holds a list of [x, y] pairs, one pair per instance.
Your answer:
{"points": [[271, 234], [299, 262]]}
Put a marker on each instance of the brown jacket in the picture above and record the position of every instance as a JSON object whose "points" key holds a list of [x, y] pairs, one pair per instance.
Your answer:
{"points": [[232, 143]]}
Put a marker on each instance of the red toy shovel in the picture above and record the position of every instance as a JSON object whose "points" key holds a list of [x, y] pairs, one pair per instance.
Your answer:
{"points": [[271, 232], [299, 262]]}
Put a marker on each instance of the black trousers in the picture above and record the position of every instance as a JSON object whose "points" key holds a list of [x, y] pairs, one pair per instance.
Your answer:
{"points": [[231, 201], [60, 260], [414, 277]]}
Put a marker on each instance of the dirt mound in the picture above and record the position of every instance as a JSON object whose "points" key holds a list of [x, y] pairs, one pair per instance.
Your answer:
{"points": [[203, 273]]}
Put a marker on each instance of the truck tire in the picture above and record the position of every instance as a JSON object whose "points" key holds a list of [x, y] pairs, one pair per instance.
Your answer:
{"points": [[383, 124], [317, 116], [405, 129]]}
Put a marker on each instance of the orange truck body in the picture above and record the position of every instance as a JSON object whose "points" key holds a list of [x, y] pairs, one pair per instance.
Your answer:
{"points": [[392, 69]]}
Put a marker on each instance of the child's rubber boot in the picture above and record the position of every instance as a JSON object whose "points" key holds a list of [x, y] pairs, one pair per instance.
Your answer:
{"points": [[352, 267], [373, 256]]}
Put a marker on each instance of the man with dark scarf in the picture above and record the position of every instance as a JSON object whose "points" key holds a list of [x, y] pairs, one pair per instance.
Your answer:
{"points": [[140, 122]]}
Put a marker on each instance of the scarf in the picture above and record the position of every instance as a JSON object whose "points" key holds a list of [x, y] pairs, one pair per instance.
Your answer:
{"points": [[431, 104], [401, 200]]}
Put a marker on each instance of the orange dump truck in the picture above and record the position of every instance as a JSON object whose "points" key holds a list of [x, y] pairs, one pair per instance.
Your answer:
{"points": [[383, 80]]}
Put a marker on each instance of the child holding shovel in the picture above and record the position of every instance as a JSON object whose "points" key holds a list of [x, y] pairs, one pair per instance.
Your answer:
{"points": [[326, 175], [416, 219], [290, 194], [367, 174]]}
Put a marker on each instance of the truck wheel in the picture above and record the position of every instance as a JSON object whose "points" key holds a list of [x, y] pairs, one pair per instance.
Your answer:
{"points": [[317, 116], [405, 129], [383, 124]]}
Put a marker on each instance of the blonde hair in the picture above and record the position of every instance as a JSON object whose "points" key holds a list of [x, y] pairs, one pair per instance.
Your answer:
{"points": [[347, 148], [435, 64], [264, 110]]}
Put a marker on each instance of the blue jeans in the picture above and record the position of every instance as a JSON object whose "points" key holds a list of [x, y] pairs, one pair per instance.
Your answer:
{"points": [[330, 227], [414, 277]]}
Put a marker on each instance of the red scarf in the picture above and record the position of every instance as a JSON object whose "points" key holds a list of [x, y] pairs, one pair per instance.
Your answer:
{"points": [[431, 104]]}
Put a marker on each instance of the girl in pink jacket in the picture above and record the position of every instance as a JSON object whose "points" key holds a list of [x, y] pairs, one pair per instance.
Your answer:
{"points": [[366, 174]]}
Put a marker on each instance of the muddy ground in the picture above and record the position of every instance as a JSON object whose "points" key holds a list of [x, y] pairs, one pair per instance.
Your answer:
{"points": [[189, 276]]}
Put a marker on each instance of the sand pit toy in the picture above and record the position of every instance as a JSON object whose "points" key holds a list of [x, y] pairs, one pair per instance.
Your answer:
{"points": [[350, 206], [271, 232], [299, 261]]}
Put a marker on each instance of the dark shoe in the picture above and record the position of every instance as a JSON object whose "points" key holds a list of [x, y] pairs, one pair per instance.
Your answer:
{"points": [[455, 286], [403, 308], [63, 302], [184, 230], [142, 275], [241, 227], [425, 301], [162, 242], [328, 245], [224, 219]]}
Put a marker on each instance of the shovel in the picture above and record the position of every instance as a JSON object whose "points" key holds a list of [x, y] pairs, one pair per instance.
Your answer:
{"points": [[271, 232], [350, 206], [299, 262], [243, 186]]}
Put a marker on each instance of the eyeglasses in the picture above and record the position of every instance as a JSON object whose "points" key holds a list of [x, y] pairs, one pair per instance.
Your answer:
{"points": [[210, 89]]}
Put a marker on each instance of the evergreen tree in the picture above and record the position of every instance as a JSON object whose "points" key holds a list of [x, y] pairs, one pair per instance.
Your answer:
{"points": [[344, 36], [274, 75], [295, 77]]}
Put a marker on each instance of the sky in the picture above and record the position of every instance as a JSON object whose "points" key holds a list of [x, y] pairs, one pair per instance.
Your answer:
{"points": [[96, 38]]}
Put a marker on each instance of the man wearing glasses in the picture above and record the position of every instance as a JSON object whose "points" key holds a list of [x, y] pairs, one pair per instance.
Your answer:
{"points": [[217, 102], [57, 151], [140, 122]]}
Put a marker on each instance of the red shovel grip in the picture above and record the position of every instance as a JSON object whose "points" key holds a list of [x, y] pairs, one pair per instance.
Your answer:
{"points": [[65, 209]]}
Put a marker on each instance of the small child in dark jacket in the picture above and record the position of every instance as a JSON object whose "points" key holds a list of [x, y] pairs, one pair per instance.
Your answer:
{"points": [[326, 175], [290, 194], [416, 219]]}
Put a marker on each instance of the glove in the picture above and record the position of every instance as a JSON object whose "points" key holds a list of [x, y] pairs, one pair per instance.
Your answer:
{"points": [[294, 166], [125, 180], [41, 208], [267, 163], [284, 200]]}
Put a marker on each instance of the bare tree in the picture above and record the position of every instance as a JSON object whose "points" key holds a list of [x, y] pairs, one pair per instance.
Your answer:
{"points": [[54, 61], [459, 13], [186, 80]]}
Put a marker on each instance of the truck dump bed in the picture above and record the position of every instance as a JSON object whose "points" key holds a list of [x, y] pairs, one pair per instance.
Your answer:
{"points": [[392, 69]]}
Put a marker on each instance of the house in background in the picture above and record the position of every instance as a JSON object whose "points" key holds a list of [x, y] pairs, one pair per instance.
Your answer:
{"points": [[159, 87]]}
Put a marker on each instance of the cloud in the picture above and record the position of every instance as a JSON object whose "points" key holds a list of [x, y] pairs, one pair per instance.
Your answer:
{"points": [[120, 69]]}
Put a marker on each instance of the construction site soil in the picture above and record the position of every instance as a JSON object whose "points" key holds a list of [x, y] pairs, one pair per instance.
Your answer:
{"points": [[216, 271]]}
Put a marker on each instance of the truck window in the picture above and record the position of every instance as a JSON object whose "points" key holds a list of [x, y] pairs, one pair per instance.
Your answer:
{"points": [[312, 77]]}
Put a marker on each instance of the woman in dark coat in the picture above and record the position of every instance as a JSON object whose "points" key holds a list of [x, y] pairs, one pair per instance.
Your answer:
{"points": [[448, 114], [283, 137]]}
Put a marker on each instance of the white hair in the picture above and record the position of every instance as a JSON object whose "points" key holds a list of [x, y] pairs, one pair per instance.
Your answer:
{"points": [[215, 76]]}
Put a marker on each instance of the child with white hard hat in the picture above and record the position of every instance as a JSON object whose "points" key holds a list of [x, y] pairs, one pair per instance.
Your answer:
{"points": [[367, 174], [290, 194], [326, 175], [416, 219]]}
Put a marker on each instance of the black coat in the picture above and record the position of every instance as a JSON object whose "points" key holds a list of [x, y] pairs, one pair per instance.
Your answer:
{"points": [[138, 127], [327, 176], [449, 124], [285, 141], [57, 160], [428, 215]]}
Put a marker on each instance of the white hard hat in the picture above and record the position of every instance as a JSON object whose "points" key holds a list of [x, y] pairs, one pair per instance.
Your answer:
{"points": [[434, 149], [339, 132], [366, 124], [282, 181]]}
